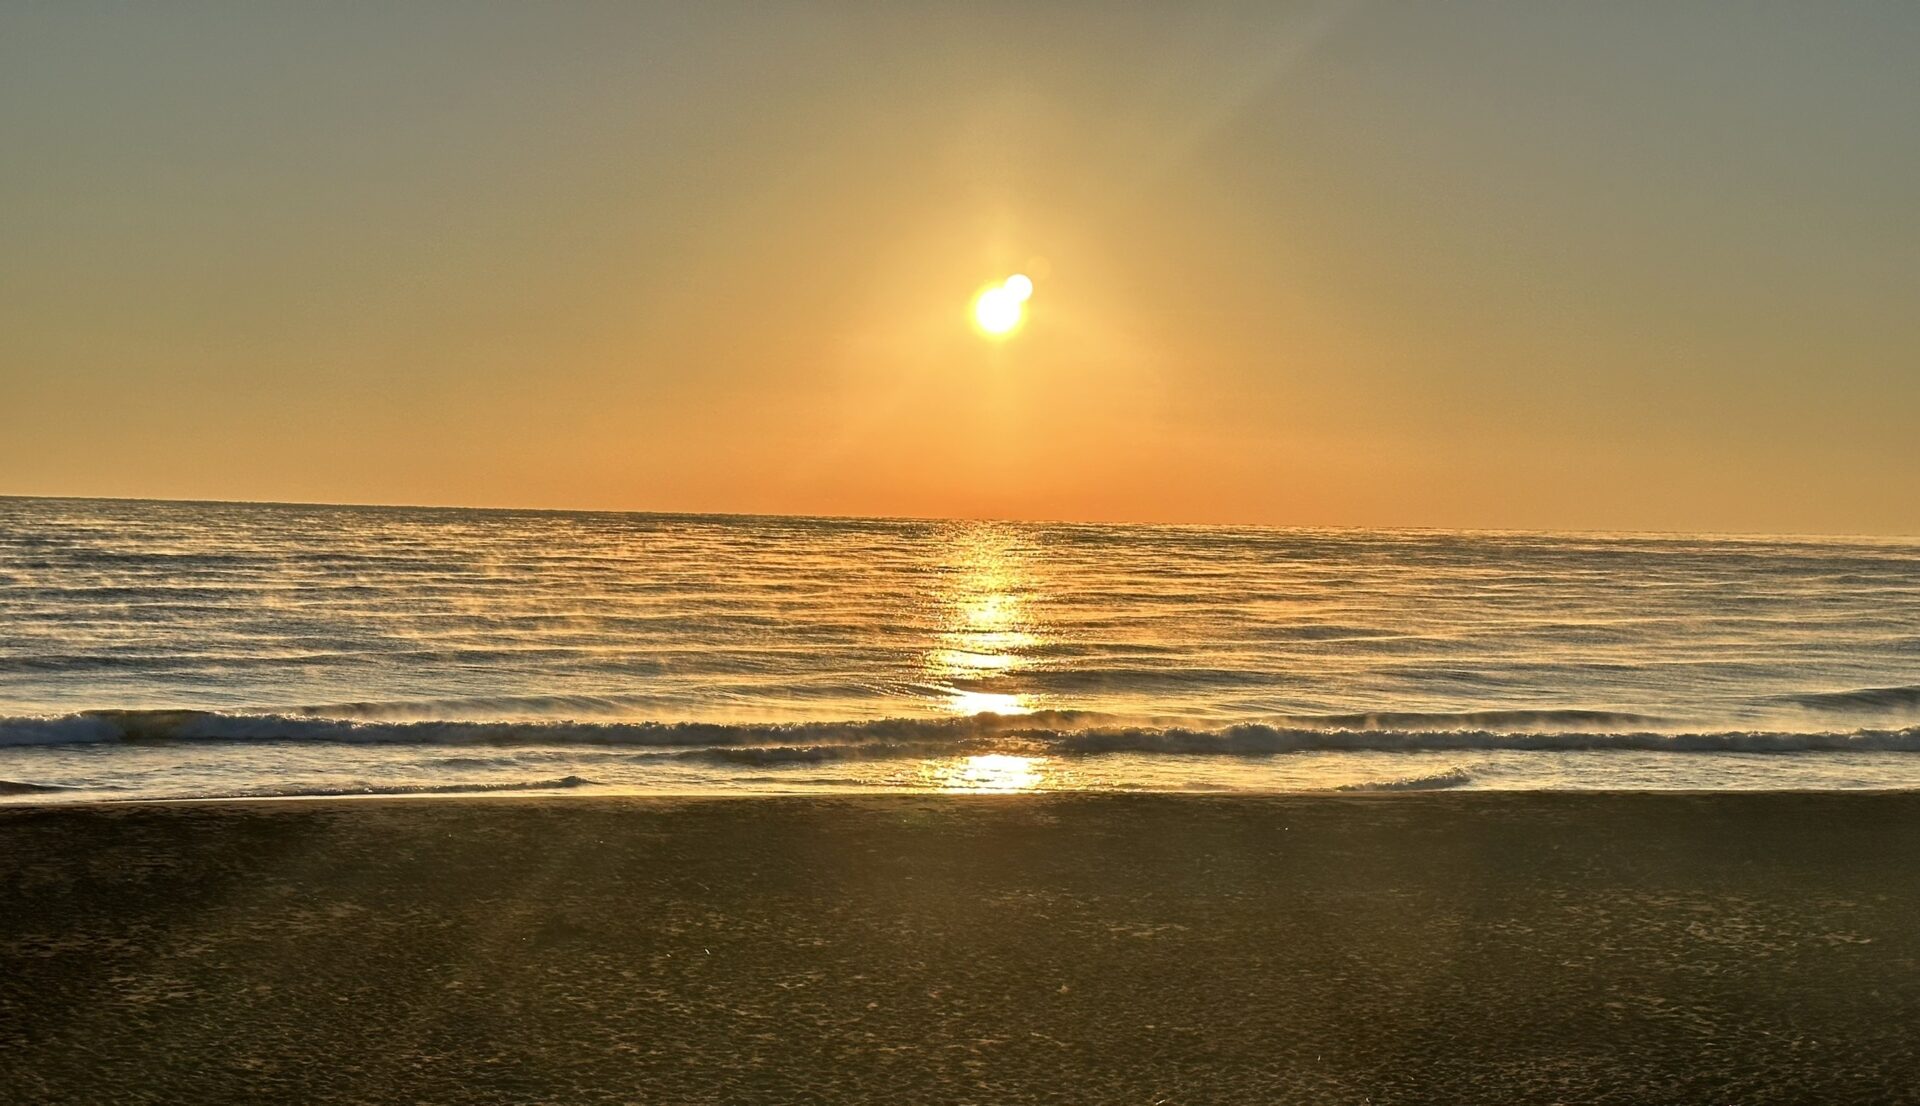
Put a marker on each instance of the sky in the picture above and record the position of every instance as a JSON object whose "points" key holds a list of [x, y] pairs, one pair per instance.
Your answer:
{"points": [[1624, 266]]}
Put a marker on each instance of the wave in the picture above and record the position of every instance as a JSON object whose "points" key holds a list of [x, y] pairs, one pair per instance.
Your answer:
{"points": [[1863, 698], [1475, 719], [775, 755], [564, 783], [1255, 740], [104, 726], [1063, 733], [467, 707], [21, 787], [1435, 781]]}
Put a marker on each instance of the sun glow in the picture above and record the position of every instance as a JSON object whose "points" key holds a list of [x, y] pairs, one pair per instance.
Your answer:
{"points": [[999, 309]]}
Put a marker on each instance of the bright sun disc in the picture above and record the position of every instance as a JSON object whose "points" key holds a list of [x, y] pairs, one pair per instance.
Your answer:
{"points": [[997, 311], [999, 308]]}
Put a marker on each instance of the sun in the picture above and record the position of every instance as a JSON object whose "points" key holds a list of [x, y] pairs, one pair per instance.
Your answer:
{"points": [[999, 308]]}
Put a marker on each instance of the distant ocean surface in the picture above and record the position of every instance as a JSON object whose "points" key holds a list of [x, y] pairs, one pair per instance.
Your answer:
{"points": [[153, 649]]}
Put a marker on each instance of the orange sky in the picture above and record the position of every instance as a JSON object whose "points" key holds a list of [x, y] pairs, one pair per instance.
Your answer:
{"points": [[1464, 265]]}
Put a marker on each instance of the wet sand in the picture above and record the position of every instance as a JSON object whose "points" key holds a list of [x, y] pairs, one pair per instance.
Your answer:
{"points": [[1413, 948]]}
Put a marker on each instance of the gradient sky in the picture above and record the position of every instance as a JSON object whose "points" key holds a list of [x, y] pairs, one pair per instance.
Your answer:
{"points": [[1600, 266]]}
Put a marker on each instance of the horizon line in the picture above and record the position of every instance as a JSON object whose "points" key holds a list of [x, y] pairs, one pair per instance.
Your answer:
{"points": [[1755, 535]]}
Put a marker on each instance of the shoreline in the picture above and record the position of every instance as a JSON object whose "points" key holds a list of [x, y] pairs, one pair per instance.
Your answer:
{"points": [[32, 801], [1083, 948]]}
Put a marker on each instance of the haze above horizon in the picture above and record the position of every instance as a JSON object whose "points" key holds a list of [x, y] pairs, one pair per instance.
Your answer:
{"points": [[1470, 266]]}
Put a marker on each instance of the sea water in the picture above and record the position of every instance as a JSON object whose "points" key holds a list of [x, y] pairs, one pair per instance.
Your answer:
{"points": [[164, 649]]}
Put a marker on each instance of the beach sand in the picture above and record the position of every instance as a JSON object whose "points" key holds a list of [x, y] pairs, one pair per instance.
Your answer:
{"points": [[1411, 948]]}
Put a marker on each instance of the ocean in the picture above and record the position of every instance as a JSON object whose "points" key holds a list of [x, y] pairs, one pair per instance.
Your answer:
{"points": [[178, 650]]}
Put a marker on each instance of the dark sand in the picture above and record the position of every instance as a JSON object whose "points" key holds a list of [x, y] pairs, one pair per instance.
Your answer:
{"points": [[1427, 948]]}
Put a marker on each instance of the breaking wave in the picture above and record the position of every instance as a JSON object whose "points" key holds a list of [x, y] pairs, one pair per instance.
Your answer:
{"points": [[1435, 781], [1064, 733]]}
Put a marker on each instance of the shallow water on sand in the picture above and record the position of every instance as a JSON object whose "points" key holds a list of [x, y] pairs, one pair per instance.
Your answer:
{"points": [[175, 648]]}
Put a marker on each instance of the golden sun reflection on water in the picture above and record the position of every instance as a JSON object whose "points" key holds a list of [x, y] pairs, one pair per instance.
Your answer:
{"points": [[987, 772], [981, 662], [986, 629], [988, 702]]}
